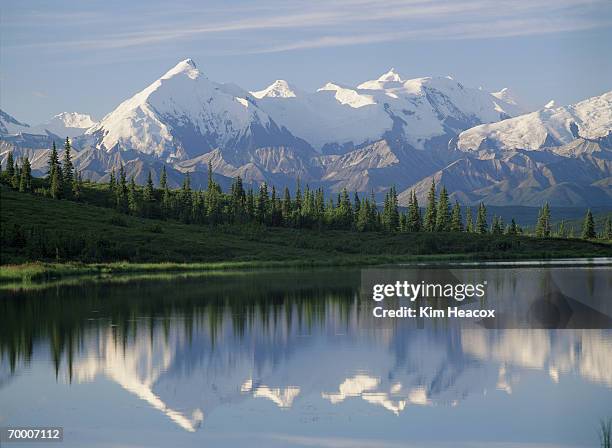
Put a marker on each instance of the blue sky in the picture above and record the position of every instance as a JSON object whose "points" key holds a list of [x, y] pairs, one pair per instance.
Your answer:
{"points": [[88, 56]]}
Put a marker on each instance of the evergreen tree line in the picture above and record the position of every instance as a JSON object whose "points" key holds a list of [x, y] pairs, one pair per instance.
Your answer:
{"points": [[63, 181], [264, 206]]}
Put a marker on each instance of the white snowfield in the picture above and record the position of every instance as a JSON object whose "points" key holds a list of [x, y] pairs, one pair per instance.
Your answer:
{"points": [[65, 124], [551, 126], [336, 114]]}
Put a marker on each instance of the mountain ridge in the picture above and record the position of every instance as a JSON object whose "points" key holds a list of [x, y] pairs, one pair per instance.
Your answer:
{"points": [[382, 133]]}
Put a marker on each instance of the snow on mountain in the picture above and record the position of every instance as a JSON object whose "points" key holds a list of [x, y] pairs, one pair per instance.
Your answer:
{"points": [[551, 126], [385, 132], [66, 124], [384, 81], [9, 125], [184, 114], [509, 97], [15, 134], [419, 111], [278, 89]]}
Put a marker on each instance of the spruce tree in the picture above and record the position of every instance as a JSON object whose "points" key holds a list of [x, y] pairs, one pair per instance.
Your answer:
{"points": [[250, 204], [185, 200], [166, 202], [443, 215], [469, 223], [54, 163], [122, 192], [25, 181], [385, 212], [307, 207], [456, 220], [276, 217], [287, 211], [68, 168], [56, 187], [390, 216], [361, 220], [512, 228], [16, 179], [133, 206], [543, 224], [414, 214], [394, 210], [262, 207], [481, 219], [10, 166], [356, 204], [112, 182], [497, 228], [561, 230], [77, 186], [403, 222], [197, 203], [430, 213], [344, 212], [237, 201], [373, 216], [211, 182], [588, 226], [330, 213], [163, 178], [319, 206], [607, 234], [148, 192]]}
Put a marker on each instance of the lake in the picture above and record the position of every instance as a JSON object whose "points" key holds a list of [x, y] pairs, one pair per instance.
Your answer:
{"points": [[291, 358]]}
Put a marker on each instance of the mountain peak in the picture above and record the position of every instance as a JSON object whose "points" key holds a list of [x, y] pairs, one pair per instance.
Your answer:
{"points": [[509, 97], [390, 76], [278, 89], [186, 66], [73, 120], [329, 86], [379, 84]]}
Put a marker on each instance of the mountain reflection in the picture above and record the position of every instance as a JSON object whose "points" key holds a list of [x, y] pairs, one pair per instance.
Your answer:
{"points": [[188, 346]]}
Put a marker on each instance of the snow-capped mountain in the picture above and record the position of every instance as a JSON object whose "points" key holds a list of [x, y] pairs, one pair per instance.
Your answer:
{"points": [[66, 124], [367, 138], [558, 154], [417, 111], [551, 126], [184, 115], [9, 125]]}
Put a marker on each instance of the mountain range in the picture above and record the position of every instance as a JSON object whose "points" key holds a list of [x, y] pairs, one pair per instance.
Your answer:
{"points": [[385, 132]]}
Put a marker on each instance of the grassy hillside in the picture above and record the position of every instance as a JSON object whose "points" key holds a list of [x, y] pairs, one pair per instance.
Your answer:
{"points": [[38, 228]]}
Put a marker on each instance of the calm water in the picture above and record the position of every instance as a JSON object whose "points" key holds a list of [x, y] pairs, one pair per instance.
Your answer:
{"points": [[279, 359]]}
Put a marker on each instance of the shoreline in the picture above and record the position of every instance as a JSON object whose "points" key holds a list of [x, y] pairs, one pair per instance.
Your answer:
{"points": [[41, 271]]}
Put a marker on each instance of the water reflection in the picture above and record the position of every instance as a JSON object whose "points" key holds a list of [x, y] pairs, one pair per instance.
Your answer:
{"points": [[190, 347]]}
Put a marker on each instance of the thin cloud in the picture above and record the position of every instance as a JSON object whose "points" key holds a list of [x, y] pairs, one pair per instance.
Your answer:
{"points": [[497, 29], [39, 94], [342, 22]]}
